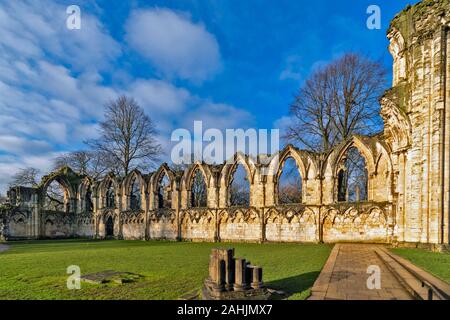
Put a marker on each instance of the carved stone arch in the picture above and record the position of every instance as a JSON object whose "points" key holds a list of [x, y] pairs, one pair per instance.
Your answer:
{"points": [[17, 217], [109, 181], [189, 174], [329, 214], [380, 210], [308, 212], [155, 180], [271, 216], [230, 167], [277, 163], [68, 180], [62, 179], [397, 128], [130, 178], [362, 147], [105, 183], [224, 216]]}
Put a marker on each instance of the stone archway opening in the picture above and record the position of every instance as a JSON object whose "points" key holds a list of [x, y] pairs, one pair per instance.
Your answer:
{"points": [[109, 227], [289, 184], [353, 177]]}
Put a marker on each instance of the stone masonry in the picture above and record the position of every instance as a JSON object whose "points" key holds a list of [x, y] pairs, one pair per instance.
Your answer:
{"points": [[408, 166]]}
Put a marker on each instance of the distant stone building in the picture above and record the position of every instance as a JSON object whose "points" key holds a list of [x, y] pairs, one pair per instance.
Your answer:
{"points": [[405, 197]]}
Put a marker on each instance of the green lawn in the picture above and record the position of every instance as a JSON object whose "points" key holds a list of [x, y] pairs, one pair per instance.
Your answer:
{"points": [[37, 269], [434, 262]]}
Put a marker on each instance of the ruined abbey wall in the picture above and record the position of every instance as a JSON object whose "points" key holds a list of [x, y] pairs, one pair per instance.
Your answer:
{"points": [[407, 167]]}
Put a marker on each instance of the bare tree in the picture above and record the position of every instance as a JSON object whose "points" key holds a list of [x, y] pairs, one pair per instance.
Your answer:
{"points": [[92, 163], [198, 191], [128, 135], [27, 177], [336, 101]]}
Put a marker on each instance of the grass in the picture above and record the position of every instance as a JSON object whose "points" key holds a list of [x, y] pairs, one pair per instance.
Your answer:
{"points": [[37, 269], [434, 262]]}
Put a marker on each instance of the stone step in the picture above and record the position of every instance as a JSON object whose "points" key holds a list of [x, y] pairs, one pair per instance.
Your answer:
{"points": [[420, 284]]}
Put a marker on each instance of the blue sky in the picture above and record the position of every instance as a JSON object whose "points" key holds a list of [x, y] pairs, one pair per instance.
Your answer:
{"points": [[232, 64]]}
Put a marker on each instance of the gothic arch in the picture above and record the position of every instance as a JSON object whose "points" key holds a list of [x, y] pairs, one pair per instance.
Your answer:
{"points": [[163, 170], [130, 178], [109, 181], [65, 177], [188, 175], [231, 165], [397, 126], [277, 162], [331, 167]]}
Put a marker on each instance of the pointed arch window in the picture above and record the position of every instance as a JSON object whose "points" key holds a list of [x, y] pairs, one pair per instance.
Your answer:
{"points": [[110, 196], [289, 183], [135, 195], [239, 187], [164, 193], [56, 197], [353, 177], [88, 204]]}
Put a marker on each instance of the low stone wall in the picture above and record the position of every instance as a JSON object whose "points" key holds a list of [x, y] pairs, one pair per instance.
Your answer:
{"points": [[367, 223]]}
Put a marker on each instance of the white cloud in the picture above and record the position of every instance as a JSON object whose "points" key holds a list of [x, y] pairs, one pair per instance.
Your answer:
{"points": [[52, 92], [49, 82], [218, 115], [174, 44], [159, 96]]}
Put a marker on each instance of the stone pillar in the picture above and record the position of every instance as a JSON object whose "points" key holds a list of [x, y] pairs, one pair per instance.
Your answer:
{"points": [[227, 256], [216, 273], [257, 278], [240, 283], [119, 217]]}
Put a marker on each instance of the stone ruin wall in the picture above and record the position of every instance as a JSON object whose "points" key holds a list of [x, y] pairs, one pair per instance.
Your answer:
{"points": [[408, 173], [263, 220]]}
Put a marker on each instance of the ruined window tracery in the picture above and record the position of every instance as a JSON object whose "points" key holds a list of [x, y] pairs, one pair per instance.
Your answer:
{"points": [[56, 197]]}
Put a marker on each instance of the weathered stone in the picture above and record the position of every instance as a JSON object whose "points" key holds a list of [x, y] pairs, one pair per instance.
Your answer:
{"points": [[233, 279], [408, 187]]}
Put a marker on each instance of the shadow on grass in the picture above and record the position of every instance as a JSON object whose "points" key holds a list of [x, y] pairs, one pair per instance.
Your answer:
{"points": [[296, 284]]}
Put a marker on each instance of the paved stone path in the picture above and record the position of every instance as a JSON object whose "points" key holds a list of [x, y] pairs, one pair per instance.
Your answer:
{"points": [[3, 247], [344, 276]]}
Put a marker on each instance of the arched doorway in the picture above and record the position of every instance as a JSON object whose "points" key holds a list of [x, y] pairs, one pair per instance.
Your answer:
{"points": [[109, 227]]}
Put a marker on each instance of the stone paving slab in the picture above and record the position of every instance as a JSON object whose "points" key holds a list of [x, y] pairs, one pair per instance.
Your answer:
{"points": [[344, 276]]}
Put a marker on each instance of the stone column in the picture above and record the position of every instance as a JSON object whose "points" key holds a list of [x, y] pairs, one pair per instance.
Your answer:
{"points": [[240, 283], [257, 278]]}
